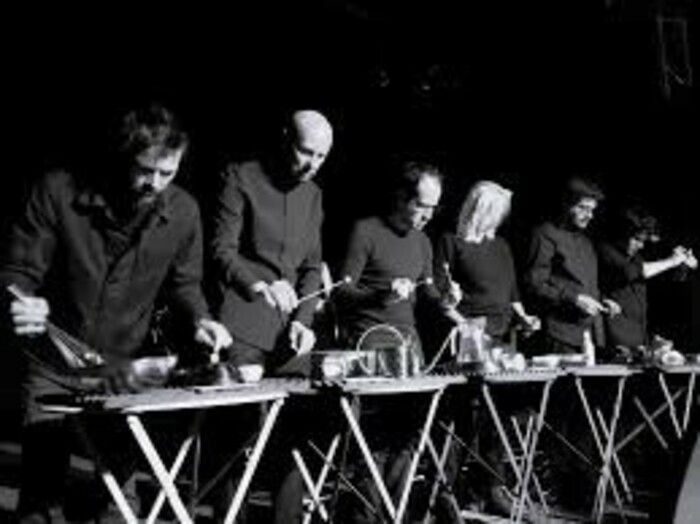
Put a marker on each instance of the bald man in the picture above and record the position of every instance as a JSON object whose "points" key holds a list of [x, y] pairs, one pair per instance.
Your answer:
{"points": [[267, 245], [267, 252]]}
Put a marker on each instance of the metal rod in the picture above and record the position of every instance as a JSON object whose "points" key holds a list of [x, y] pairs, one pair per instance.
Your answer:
{"points": [[636, 431], [425, 433], [344, 480], [603, 482], [689, 400], [158, 468], [671, 405], [367, 455], [650, 421], [615, 458], [533, 446], [524, 439], [253, 460], [596, 437], [175, 468], [327, 462], [345, 280], [107, 477], [306, 477]]}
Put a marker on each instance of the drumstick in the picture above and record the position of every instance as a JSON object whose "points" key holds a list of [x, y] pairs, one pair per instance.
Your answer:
{"points": [[427, 281], [345, 280], [448, 273], [76, 353]]}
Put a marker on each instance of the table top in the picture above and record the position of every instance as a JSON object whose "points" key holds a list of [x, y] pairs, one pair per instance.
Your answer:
{"points": [[268, 389], [169, 399]]}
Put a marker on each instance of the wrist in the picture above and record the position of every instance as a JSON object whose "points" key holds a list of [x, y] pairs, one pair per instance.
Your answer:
{"points": [[258, 287]]}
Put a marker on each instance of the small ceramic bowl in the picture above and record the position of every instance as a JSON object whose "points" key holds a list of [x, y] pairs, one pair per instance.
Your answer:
{"points": [[251, 372]]}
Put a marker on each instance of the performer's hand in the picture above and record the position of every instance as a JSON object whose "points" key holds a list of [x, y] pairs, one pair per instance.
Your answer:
{"points": [[401, 289], [531, 323], [263, 289], [589, 305], [679, 255], [284, 296], [690, 259], [122, 378], [29, 315], [454, 295], [301, 338], [214, 335], [612, 308]]}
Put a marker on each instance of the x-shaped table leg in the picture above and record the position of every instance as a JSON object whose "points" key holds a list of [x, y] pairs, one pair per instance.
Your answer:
{"points": [[605, 451], [107, 477], [671, 406], [522, 475], [524, 441], [315, 489], [253, 460], [177, 465], [651, 416], [396, 513], [441, 477], [159, 470]]}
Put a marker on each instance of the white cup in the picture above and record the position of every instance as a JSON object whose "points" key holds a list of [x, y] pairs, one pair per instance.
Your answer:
{"points": [[251, 372]]}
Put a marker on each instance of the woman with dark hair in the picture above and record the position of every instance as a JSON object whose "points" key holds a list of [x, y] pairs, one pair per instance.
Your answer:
{"points": [[623, 274]]}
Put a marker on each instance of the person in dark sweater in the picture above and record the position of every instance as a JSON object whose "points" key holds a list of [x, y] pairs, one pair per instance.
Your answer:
{"points": [[562, 274], [475, 272], [623, 275], [389, 262], [474, 268]]}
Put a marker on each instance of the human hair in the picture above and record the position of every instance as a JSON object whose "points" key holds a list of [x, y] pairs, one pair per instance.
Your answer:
{"points": [[409, 176], [149, 126], [579, 187], [483, 211], [635, 221]]}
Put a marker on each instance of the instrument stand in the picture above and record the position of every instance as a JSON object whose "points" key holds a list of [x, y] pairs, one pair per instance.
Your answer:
{"points": [[132, 407], [523, 469], [604, 436]]}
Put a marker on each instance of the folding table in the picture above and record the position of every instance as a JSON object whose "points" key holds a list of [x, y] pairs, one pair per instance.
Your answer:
{"points": [[132, 407]]}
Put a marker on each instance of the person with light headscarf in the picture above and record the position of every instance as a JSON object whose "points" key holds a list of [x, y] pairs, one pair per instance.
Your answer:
{"points": [[474, 267]]}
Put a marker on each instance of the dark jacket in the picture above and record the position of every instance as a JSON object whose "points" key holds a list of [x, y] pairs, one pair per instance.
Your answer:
{"points": [[562, 264], [59, 250], [622, 279], [264, 230]]}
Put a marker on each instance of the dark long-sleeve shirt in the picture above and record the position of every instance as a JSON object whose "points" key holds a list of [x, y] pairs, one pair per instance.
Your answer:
{"points": [[562, 264], [100, 276], [486, 274], [264, 231], [376, 255], [622, 280]]}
